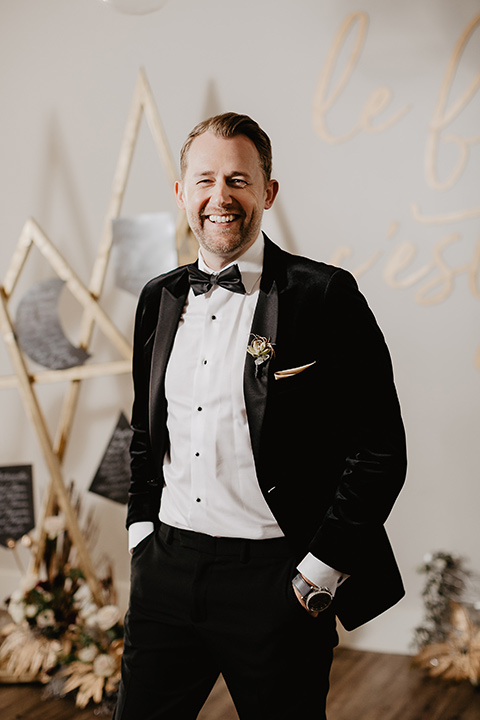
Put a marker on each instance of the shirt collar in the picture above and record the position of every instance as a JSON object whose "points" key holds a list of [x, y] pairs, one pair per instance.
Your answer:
{"points": [[250, 264]]}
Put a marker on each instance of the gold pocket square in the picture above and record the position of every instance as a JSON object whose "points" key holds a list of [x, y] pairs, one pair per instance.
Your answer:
{"points": [[280, 374]]}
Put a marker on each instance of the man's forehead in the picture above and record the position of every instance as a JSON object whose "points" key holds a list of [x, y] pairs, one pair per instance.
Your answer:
{"points": [[209, 150]]}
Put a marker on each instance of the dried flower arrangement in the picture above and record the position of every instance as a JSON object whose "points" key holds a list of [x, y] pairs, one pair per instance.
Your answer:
{"points": [[448, 641], [58, 634]]}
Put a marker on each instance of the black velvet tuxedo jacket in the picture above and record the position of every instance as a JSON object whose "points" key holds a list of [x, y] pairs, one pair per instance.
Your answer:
{"points": [[328, 442]]}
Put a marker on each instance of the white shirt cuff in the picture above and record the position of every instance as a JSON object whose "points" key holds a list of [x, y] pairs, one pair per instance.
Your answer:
{"points": [[137, 531], [320, 574]]}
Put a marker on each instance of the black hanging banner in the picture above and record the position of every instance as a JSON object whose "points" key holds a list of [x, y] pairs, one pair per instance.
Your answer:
{"points": [[112, 478], [17, 515]]}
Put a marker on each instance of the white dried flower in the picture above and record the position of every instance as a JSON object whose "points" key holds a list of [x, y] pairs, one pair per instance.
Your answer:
{"points": [[54, 525], [83, 595], [107, 617], [16, 597], [88, 654], [28, 582], [31, 611], [16, 611], [104, 665], [88, 611], [46, 618]]}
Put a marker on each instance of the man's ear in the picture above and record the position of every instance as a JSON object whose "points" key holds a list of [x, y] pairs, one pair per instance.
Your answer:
{"points": [[179, 195], [270, 193]]}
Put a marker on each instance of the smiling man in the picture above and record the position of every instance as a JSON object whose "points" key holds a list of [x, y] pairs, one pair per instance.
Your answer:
{"points": [[224, 191], [268, 450]]}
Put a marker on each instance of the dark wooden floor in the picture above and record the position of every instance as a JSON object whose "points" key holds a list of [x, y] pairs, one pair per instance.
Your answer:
{"points": [[364, 686]]}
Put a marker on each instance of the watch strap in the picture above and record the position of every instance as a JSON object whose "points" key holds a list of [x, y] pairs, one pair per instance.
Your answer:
{"points": [[313, 593], [302, 585]]}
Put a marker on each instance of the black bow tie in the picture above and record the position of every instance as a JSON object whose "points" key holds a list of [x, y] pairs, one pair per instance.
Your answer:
{"points": [[230, 279]]}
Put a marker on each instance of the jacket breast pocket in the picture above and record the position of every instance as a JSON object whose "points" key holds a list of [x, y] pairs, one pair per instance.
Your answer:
{"points": [[293, 371], [298, 378]]}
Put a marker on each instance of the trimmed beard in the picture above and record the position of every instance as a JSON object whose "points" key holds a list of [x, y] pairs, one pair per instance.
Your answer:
{"points": [[224, 247]]}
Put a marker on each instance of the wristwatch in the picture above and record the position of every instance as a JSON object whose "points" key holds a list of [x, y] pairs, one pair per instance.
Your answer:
{"points": [[315, 598]]}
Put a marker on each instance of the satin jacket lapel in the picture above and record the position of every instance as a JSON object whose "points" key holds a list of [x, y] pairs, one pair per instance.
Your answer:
{"points": [[265, 323], [171, 305]]}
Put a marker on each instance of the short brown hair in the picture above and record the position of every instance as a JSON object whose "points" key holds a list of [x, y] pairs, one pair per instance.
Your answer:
{"points": [[229, 125]]}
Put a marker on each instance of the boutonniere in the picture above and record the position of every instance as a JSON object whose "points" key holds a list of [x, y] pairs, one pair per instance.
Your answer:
{"points": [[261, 349]]}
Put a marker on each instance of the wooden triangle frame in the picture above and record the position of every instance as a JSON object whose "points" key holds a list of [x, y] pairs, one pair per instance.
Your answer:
{"points": [[32, 234]]}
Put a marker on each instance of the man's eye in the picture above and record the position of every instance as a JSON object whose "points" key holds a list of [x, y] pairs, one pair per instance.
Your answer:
{"points": [[238, 182]]}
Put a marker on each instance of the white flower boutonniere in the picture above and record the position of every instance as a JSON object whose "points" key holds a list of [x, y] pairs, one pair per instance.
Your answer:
{"points": [[261, 349]]}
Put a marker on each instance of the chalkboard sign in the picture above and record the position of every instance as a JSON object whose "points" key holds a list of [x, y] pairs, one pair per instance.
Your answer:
{"points": [[112, 478], [38, 328], [16, 502]]}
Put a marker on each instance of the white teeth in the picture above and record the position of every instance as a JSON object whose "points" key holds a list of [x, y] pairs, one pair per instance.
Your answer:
{"points": [[221, 218]]}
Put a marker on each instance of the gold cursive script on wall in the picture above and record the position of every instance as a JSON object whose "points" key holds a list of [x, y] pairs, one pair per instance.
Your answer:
{"points": [[435, 278], [325, 96], [443, 116]]}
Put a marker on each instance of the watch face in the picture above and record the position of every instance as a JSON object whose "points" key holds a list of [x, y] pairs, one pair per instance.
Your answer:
{"points": [[318, 600]]}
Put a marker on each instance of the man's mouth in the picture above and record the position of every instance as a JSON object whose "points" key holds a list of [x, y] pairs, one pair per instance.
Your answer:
{"points": [[221, 219]]}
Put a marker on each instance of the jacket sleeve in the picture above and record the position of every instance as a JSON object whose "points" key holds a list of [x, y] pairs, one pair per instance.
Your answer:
{"points": [[145, 486], [375, 458]]}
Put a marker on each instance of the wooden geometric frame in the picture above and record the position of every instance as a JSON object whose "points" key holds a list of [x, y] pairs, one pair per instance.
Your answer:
{"points": [[33, 235]]}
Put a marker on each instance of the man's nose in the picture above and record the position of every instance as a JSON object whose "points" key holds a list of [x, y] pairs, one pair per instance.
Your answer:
{"points": [[221, 194]]}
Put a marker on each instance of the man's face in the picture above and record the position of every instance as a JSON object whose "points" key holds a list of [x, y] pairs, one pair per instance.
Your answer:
{"points": [[224, 193]]}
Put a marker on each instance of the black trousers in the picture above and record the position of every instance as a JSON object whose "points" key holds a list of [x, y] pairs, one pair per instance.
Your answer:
{"points": [[201, 606]]}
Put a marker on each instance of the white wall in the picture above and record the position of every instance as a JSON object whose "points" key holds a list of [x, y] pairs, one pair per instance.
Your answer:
{"points": [[67, 73]]}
